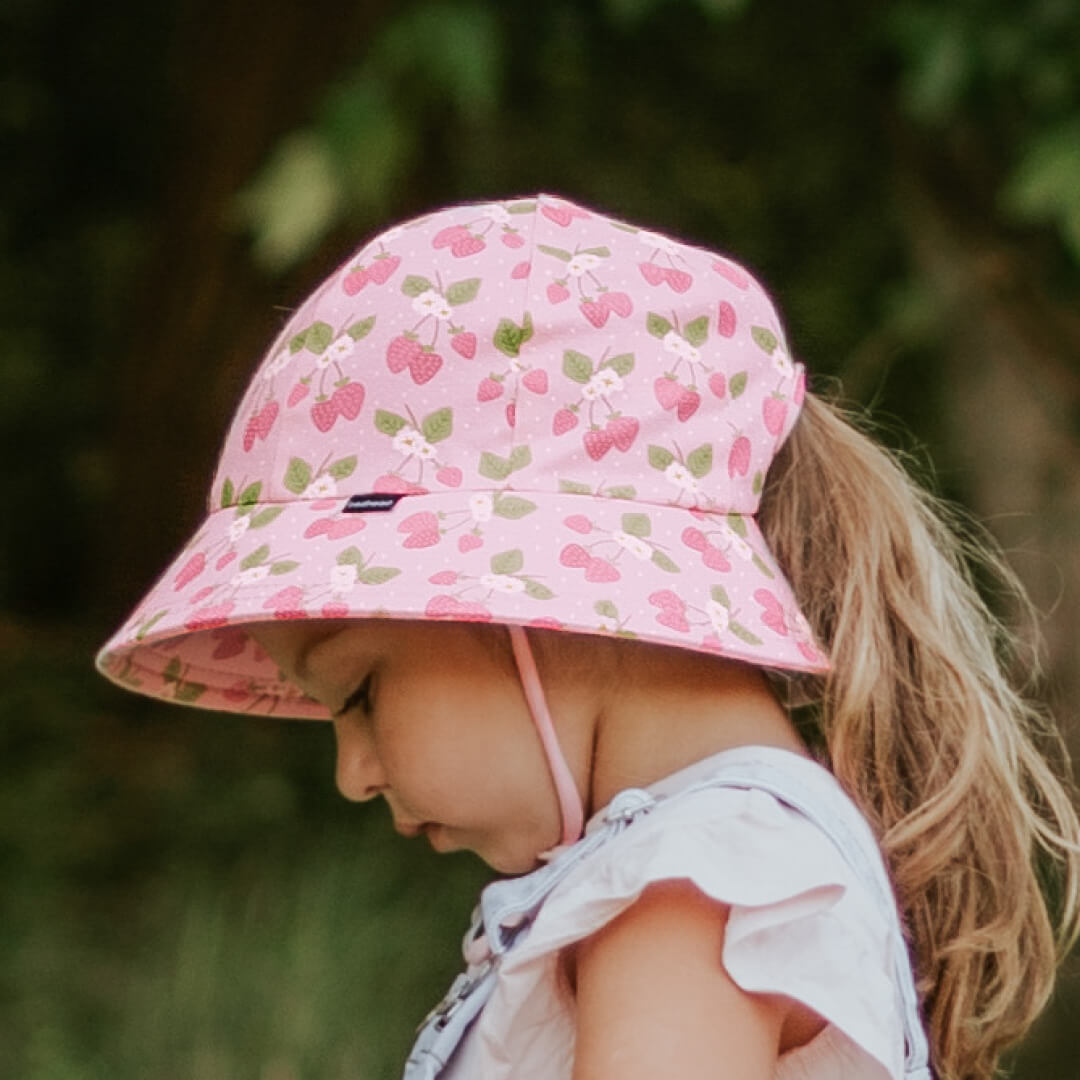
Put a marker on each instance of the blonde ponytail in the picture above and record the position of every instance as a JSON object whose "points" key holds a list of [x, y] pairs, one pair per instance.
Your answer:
{"points": [[929, 733]]}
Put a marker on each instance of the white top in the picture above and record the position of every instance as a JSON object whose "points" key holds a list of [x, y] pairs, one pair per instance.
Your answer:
{"points": [[801, 923]]}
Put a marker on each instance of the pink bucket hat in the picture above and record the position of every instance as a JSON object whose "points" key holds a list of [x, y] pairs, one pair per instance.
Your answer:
{"points": [[523, 412]]}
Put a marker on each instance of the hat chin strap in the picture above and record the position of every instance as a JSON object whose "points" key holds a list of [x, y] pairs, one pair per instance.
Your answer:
{"points": [[573, 813]]}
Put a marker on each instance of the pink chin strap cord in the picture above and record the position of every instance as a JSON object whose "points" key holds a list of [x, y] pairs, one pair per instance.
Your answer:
{"points": [[573, 813]]}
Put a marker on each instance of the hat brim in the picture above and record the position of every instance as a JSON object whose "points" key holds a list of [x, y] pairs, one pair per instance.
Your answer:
{"points": [[665, 574]]}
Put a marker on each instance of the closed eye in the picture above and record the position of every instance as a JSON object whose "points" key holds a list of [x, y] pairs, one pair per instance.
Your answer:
{"points": [[361, 697]]}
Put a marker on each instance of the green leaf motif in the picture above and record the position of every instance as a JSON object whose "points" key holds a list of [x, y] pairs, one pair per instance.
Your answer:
{"points": [[438, 425], [657, 325], [559, 253], [255, 558], [172, 670], [509, 337], [764, 338], [377, 575], [737, 384], [665, 562], [719, 594], [228, 493], [758, 482], [388, 423], [760, 563], [622, 364], [297, 475], [572, 487], [636, 524], [602, 252], [521, 207], [606, 609], [737, 525], [537, 591], [659, 458], [360, 330], [414, 285], [740, 631], [507, 562], [494, 467], [250, 495], [697, 332], [351, 556], [188, 692], [283, 566], [319, 335], [148, 625], [296, 342], [512, 507], [577, 366], [520, 456], [461, 292], [265, 516], [700, 461], [343, 467], [621, 491]]}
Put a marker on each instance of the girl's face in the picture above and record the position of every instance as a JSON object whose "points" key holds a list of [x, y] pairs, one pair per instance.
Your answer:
{"points": [[430, 716]]}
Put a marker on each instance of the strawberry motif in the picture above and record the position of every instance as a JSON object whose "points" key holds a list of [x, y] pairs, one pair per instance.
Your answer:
{"points": [[667, 391], [574, 555], [536, 380], [355, 280], [564, 420], [672, 610], [324, 413], [225, 560], [718, 384], [557, 292], [334, 609], [772, 614], [450, 607], [258, 427], [383, 268], [489, 389], [725, 319], [511, 413], [652, 273], [449, 476], [619, 302], [298, 393], [464, 344], [579, 523], [423, 530], [450, 235], [729, 271], [401, 351], [689, 400], [424, 366], [469, 542], [679, 280], [391, 484], [715, 559], [562, 215], [467, 245], [189, 571], [601, 570], [774, 412], [598, 442], [285, 603], [694, 538], [512, 238], [739, 457], [521, 271], [596, 313], [349, 399], [623, 431]]}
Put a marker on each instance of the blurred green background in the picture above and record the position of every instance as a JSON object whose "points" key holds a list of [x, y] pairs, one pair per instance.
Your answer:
{"points": [[184, 896]]}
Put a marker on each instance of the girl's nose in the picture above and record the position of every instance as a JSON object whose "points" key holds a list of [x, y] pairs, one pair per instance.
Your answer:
{"points": [[359, 775]]}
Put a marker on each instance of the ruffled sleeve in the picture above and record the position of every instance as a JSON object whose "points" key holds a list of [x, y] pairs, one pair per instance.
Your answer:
{"points": [[800, 924]]}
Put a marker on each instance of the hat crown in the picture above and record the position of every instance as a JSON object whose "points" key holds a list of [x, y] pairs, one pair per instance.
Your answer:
{"points": [[522, 346]]}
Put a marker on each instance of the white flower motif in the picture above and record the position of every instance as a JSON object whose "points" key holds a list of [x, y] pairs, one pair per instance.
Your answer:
{"points": [[277, 365], [582, 263], [409, 441], [239, 526], [591, 390], [738, 544], [608, 624], [517, 364], [655, 240], [480, 506], [634, 544], [424, 450], [323, 487], [691, 352], [432, 303], [608, 379], [502, 583], [341, 347], [673, 342], [342, 578], [681, 477], [782, 362], [719, 616], [251, 575], [499, 214]]}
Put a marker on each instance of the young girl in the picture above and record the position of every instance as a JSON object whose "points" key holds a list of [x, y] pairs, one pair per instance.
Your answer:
{"points": [[533, 505]]}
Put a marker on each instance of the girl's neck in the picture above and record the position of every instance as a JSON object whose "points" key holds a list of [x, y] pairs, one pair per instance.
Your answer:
{"points": [[675, 710]]}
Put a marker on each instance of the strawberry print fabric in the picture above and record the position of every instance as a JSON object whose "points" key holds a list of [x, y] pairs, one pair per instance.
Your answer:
{"points": [[577, 415]]}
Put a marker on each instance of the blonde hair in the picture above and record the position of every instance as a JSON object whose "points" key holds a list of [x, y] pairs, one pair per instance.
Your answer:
{"points": [[927, 729]]}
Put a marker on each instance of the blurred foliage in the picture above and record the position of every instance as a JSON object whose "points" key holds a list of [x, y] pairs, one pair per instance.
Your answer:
{"points": [[183, 895]]}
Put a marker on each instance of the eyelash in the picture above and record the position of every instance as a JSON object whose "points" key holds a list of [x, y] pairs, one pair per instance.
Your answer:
{"points": [[360, 696]]}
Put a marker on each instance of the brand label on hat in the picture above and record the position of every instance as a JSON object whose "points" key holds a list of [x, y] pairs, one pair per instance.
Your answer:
{"points": [[373, 501]]}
